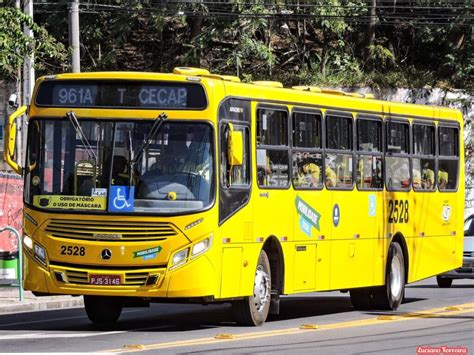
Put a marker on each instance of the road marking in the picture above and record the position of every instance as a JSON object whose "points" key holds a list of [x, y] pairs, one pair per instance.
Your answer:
{"points": [[430, 313]]}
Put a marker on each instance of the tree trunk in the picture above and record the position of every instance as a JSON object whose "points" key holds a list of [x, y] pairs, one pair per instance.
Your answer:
{"points": [[370, 35]]}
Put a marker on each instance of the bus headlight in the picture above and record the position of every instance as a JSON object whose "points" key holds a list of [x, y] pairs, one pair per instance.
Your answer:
{"points": [[28, 242], [179, 258], [40, 254], [200, 247]]}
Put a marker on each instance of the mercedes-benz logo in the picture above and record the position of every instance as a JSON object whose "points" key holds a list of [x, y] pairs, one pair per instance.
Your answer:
{"points": [[106, 254]]}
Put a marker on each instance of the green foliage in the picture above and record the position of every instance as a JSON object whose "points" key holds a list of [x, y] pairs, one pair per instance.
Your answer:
{"points": [[15, 45], [326, 45]]}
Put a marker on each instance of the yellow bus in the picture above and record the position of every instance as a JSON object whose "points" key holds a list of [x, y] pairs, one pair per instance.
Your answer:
{"points": [[195, 187]]}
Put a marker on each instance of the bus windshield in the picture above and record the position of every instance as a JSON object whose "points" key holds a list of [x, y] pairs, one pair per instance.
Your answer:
{"points": [[103, 166]]}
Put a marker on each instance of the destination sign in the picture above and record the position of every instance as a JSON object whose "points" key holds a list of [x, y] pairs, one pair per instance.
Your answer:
{"points": [[121, 94]]}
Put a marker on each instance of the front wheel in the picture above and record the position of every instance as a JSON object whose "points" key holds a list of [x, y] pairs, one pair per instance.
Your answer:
{"points": [[443, 282], [103, 311], [253, 310], [391, 294]]}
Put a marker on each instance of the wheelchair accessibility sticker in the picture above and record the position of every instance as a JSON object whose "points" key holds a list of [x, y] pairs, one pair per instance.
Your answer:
{"points": [[121, 198]]}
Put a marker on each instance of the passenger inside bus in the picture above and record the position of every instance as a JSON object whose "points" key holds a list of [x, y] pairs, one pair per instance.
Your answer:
{"points": [[331, 178], [442, 179], [428, 177]]}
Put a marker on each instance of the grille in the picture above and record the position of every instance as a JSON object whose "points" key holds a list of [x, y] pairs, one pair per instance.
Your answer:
{"points": [[131, 278], [468, 254], [110, 230], [77, 277]]}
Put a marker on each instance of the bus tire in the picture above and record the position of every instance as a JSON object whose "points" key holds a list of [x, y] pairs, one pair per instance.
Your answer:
{"points": [[361, 298], [103, 311], [389, 296], [444, 282], [253, 310]]}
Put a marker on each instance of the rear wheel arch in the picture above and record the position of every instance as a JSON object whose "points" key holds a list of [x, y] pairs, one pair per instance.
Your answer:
{"points": [[400, 239]]}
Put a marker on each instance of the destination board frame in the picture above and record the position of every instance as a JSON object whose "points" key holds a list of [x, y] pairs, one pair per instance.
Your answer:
{"points": [[122, 94]]}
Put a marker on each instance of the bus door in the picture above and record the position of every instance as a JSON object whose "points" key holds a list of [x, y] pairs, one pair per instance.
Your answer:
{"points": [[235, 209]]}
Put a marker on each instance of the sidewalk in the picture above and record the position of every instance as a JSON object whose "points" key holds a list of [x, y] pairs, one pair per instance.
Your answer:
{"points": [[10, 302]]}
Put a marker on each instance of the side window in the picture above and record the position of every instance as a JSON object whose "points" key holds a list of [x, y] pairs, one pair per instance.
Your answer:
{"points": [[338, 159], [369, 154], [423, 169], [307, 158], [448, 166], [235, 176], [397, 159], [272, 148]]}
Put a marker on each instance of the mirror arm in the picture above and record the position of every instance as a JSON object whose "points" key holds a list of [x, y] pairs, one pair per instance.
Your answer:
{"points": [[10, 140]]}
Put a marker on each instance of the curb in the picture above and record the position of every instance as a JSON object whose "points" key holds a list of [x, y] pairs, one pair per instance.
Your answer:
{"points": [[26, 306]]}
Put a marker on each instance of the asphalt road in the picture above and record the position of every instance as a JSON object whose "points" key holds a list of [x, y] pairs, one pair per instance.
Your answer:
{"points": [[430, 316]]}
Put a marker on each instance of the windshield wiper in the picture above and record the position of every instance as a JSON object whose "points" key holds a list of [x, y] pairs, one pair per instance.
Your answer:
{"points": [[133, 160], [150, 136], [77, 127]]}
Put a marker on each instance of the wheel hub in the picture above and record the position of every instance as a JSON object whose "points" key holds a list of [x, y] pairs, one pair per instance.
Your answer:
{"points": [[396, 276], [261, 289]]}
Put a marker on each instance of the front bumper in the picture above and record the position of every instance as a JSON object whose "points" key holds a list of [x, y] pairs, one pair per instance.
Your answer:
{"points": [[197, 278]]}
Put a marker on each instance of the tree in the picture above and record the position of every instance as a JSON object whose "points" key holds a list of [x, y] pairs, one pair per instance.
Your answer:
{"points": [[15, 45]]}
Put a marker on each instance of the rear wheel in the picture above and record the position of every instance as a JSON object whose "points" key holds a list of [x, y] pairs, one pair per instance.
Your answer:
{"points": [[391, 294], [103, 311], [444, 282], [253, 310]]}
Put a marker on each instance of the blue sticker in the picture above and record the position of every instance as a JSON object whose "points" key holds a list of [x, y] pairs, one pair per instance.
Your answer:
{"points": [[149, 256], [372, 206], [336, 215], [121, 198], [305, 226]]}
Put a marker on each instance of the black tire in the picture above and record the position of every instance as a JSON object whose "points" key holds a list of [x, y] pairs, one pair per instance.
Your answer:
{"points": [[444, 282], [389, 296], [253, 310], [103, 311]]}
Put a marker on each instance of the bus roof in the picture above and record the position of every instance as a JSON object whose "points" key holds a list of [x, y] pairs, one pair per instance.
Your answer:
{"points": [[275, 93]]}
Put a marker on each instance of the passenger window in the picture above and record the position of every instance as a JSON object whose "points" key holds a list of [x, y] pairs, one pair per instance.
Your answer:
{"points": [[423, 139], [272, 127], [397, 161], [398, 138], [272, 148], [369, 159], [339, 132], [307, 170], [369, 172], [272, 168], [397, 173], [369, 135], [338, 169], [423, 170], [448, 158], [306, 130], [307, 157]]}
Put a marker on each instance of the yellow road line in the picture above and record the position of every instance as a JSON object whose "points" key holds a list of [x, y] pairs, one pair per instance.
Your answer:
{"points": [[430, 313]]}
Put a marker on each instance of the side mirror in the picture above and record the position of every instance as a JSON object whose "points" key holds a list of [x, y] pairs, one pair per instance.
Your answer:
{"points": [[10, 140], [235, 147]]}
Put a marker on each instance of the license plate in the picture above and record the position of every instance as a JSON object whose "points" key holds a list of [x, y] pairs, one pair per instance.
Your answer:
{"points": [[105, 280]]}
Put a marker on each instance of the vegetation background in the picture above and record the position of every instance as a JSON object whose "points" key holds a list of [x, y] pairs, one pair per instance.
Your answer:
{"points": [[375, 43]]}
